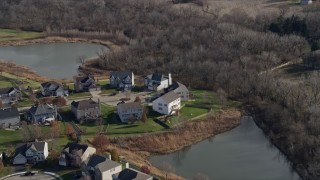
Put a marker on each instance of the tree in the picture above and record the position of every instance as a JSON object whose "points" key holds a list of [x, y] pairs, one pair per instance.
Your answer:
{"points": [[1, 165], [100, 141], [25, 132], [69, 130], [145, 169], [144, 118], [59, 101], [137, 99], [1, 104], [54, 129], [115, 155]]}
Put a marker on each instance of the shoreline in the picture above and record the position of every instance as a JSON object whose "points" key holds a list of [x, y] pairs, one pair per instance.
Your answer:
{"points": [[255, 112], [191, 133]]}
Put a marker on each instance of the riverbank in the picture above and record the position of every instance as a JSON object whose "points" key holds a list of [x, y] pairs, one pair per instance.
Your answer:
{"points": [[57, 39], [181, 137], [257, 113]]}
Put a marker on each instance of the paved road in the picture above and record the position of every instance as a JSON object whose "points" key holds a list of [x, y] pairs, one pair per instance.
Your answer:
{"points": [[39, 176]]}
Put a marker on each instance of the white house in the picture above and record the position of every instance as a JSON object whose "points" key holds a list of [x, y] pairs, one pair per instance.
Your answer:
{"points": [[101, 167], [131, 110], [30, 153], [167, 104], [157, 82]]}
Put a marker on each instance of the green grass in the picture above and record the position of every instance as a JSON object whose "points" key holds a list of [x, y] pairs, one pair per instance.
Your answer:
{"points": [[7, 80], [12, 35], [8, 137], [25, 102], [79, 95]]}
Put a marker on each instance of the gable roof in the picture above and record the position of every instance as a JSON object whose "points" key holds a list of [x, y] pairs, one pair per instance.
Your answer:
{"points": [[6, 90], [23, 147], [8, 113], [42, 109], [84, 104], [75, 147], [84, 79], [121, 74], [176, 85], [130, 105], [101, 163], [51, 83], [129, 174], [169, 97]]}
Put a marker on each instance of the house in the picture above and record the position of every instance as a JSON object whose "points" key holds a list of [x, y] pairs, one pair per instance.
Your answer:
{"points": [[86, 109], [157, 82], [9, 118], [53, 88], [99, 167], [132, 174], [305, 2], [123, 80], [85, 83], [9, 95], [30, 153], [74, 154], [179, 89], [42, 113], [131, 110], [167, 104]]}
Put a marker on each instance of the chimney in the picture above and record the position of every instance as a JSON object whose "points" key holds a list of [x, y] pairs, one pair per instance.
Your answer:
{"points": [[169, 79], [127, 165]]}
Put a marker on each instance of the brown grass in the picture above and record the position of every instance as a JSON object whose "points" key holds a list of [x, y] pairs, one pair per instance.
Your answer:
{"points": [[186, 135], [137, 149]]}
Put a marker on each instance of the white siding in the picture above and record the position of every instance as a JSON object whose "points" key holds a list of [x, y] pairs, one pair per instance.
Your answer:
{"points": [[107, 175]]}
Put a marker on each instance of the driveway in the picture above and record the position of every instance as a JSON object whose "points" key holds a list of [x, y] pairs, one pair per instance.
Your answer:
{"points": [[36, 176]]}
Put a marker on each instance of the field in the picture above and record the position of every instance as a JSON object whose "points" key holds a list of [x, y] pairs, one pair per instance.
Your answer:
{"points": [[7, 80], [12, 35]]}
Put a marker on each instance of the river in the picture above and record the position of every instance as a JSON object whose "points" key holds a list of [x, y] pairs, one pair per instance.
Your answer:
{"points": [[243, 153], [54, 60]]}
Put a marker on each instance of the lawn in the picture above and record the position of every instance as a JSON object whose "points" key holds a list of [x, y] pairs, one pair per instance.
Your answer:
{"points": [[79, 95], [8, 137], [7, 80], [113, 125], [11, 35]]}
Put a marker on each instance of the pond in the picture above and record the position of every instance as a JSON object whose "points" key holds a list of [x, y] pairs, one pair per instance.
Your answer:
{"points": [[243, 153], [54, 60]]}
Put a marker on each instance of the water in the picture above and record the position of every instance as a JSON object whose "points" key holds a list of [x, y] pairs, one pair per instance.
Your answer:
{"points": [[243, 153], [56, 60]]}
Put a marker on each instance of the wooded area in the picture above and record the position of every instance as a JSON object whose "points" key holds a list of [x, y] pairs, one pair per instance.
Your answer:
{"points": [[234, 52]]}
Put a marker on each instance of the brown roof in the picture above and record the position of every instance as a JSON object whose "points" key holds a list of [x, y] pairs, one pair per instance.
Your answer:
{"points": [[170, 96], [85, 104], [130, 105]]}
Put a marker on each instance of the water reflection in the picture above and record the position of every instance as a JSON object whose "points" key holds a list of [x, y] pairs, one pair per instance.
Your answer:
{"points": [[56, 60], [242, 153]]}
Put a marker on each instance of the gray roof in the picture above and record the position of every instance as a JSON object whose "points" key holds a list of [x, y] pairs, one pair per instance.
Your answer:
{"points": [[84, 104], [84, 78], [176, 85], [23, 147], [130, 105], [130, 174], [121, 74], [6, 90], [101, 163], [46, 85], [8, 113], [170, 96], [75, 146], [42, 109]]}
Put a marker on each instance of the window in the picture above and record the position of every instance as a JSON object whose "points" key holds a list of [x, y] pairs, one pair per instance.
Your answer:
{"points": [[160, 108], [160, 104], [165, 105]]}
